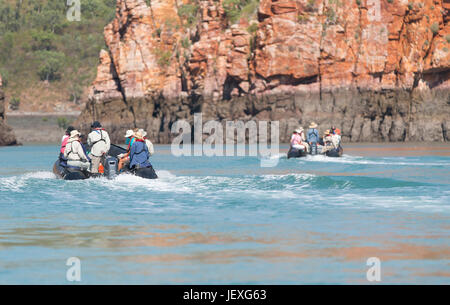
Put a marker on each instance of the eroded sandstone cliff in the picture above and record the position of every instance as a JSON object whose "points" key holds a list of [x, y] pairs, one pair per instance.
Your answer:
{"points": [[379, 69], [6, 134]]}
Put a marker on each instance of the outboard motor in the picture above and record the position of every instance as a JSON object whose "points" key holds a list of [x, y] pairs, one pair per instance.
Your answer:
{"points": [[111, 167], [314, 148]]}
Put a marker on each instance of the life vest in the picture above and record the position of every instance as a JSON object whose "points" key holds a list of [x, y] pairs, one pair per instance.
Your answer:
{"points": [[142, 150], [337, 131], [296, 139], [313, 133], [99, 130], [71, 151]]}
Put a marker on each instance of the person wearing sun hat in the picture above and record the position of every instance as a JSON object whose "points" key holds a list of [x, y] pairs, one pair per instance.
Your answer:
{"points": [[139, 153], [328, 141], [74, 152], [129, 140], [313, 137], [298, 139], [149, 144]]}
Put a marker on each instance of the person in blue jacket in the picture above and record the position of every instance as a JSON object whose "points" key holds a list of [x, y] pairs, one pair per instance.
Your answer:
{"points": [[139, 153], [313, 137]]}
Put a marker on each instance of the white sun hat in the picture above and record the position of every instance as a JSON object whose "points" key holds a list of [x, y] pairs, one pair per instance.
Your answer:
{"points": [[142, 132], [74, 133], [129, 133]]}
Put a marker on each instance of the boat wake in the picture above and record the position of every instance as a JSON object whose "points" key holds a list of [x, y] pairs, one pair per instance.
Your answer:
{"points": [[347, 159], [170, 191]]}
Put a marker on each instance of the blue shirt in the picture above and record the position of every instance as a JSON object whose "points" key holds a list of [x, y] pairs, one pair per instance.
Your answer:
{"points": [[139, 155], [313, 135]]}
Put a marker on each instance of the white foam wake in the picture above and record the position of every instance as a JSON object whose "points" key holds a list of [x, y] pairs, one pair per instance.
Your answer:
{"points": [[347, 159], [18, 183]]}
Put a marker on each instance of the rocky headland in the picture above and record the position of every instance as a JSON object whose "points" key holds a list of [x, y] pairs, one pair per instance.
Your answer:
{"points": [[378, 69]]}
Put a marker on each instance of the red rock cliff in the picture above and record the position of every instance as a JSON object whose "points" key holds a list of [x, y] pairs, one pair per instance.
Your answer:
{"points": [[378, 68]]}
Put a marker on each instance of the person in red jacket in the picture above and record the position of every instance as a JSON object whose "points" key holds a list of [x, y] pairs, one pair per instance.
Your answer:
{"points": [[335, 130]]}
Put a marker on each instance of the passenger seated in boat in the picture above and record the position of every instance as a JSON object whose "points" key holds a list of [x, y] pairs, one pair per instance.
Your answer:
{"points": [[335, 131], [65, 138], [298, 140], [139, 153], [330, 141], [74, 152], [336, 135], [129, 140], [149, 144]]}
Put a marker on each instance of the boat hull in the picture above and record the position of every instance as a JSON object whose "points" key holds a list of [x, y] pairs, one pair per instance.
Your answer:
{"points": [[69, 173], [147, 173], [335, 153], [296, 153]]}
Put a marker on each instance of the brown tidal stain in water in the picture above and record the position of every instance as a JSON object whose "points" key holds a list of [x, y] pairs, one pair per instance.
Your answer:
{"points": [[181, 239], [218, 257], [433, 274], [398, 251]]}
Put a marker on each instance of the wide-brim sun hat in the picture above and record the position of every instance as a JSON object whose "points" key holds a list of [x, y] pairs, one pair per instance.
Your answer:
{"points": [[143, 132], [138, 135], [129, 133], [298, 130], [74, 133], [313, 125]]}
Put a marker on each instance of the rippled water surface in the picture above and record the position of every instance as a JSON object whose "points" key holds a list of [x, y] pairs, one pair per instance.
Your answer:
{"points": [[227, 220]]}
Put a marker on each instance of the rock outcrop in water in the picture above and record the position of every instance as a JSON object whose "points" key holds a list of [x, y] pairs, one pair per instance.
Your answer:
{"points": [[6, 134], [379, 69]]}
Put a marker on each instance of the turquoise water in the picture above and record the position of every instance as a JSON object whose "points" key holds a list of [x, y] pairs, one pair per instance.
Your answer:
{"points": [[229, 221]]}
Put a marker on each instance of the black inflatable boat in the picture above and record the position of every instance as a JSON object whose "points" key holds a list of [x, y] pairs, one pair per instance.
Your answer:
{"points": [[63, 171], [296, 153], [110, 165], [335, 153]]}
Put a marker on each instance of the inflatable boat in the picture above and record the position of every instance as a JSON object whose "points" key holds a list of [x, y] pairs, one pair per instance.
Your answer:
{"points": [[63, 171], [296, 153], [335, 153], [110, 166]]}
